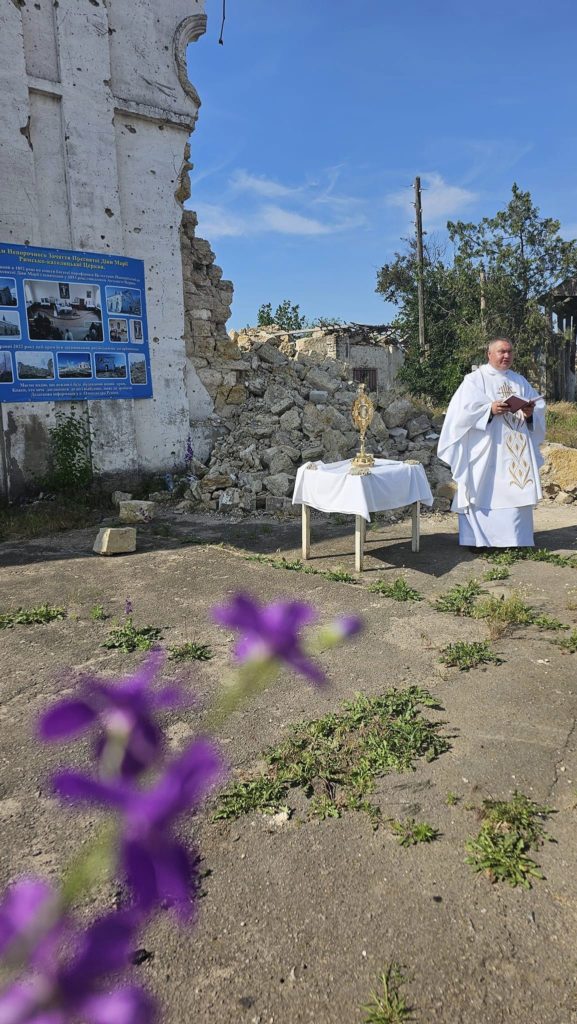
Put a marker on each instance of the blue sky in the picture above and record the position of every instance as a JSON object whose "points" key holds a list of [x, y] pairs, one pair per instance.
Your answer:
{"points": [[316, 116]]}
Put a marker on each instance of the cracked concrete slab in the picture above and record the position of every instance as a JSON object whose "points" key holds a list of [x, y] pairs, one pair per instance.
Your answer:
{"points": [[299, 917]]}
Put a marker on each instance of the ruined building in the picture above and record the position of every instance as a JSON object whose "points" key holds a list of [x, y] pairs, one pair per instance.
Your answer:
{"points": [[94, 156]]}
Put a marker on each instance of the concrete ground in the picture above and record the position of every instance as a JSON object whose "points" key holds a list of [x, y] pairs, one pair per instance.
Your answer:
{"points": [[299, 918]]}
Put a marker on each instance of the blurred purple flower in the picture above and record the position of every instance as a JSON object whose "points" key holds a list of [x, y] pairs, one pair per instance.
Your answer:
{"points": [[123, 711], [271, 632], [31, 922], [158, 867], [189, 453], [66, 986], [128, 609]]}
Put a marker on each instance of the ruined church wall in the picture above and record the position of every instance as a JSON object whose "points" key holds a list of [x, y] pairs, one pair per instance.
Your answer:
{"points": [[97, 111]]}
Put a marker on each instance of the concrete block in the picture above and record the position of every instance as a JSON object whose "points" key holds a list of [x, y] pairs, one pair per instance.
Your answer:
{"points": [[115, 541], [136, 511], [118, 496]]}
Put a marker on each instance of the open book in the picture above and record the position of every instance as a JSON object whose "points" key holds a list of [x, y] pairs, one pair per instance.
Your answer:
{"points": [[515, 403]]}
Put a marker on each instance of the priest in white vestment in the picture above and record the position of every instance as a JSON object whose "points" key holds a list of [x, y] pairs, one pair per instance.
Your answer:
{"points": [[494, 452]]}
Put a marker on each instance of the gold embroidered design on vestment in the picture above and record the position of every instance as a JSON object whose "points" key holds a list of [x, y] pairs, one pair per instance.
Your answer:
{"points": [[516, 442]]}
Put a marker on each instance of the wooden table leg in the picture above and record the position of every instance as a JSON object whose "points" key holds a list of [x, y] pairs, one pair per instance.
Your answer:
{"points": [[416, 517], [360, 529], [306, 531]]}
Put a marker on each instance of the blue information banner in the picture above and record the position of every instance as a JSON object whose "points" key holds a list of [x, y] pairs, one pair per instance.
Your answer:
{"points": [[72, 326]]}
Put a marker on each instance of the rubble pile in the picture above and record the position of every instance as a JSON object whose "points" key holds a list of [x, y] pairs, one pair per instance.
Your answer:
{"points": [[279, 401]]}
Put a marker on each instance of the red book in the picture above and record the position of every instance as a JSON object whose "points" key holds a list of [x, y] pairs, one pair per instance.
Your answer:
{"points": [[515, 403]]}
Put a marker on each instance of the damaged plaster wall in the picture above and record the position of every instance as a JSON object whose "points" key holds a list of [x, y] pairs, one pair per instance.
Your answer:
{"points": [[97, 111]]}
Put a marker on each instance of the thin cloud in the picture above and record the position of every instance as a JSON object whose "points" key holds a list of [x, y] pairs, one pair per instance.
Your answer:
{"points": [[440, 200], [217, 222], [288, 222], [260, 185]]}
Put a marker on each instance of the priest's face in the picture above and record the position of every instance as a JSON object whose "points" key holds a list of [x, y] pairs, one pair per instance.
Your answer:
{"points": [[500, 355]]}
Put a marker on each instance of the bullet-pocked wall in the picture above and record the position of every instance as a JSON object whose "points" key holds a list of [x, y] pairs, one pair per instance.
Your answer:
{"points": [[97, 111]]}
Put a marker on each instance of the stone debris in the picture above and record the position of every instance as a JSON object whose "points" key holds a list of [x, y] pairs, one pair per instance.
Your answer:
{"points": [[559, 473], [283, 398], [118, 496], [115, 541], [136, 511]]}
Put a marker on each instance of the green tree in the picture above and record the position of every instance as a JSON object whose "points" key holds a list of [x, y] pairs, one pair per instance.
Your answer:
{"points": [[504, 264], [451, 304], [287, 315]]}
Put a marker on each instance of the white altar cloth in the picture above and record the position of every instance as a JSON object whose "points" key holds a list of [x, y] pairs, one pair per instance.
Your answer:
{"points": [[390, 484]]}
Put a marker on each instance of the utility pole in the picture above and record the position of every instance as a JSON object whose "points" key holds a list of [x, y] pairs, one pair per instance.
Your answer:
{"points": [[482, 283], [423, 348]]}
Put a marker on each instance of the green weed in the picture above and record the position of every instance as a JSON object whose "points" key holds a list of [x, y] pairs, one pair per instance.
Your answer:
{"points": [[128, 637], [399, 590], [339, 576], [460, 599], [568, 643], [508, 556], [97, 613], [31, 616], [191, 651], [498, 572], [502, 612], [388, 1006], [548, 622], [466, 655], [411, 832], [510, 831], [336, 759], [452, 799]]}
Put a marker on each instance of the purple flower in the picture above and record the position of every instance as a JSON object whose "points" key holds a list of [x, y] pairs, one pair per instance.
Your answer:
{"points": [[31, 923], [189, 453], [128, 609], [271, 632], [122, 713], [158, 867], [66, 965]]}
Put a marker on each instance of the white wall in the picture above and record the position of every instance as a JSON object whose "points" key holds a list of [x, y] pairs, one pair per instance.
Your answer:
{"points": [[97, 111]]}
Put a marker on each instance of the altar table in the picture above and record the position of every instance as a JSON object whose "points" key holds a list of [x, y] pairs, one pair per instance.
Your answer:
{"points": [[330, 487]]}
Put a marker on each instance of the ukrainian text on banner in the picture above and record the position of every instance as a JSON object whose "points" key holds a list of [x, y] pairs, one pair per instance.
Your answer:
{"points": [[72, 325]]}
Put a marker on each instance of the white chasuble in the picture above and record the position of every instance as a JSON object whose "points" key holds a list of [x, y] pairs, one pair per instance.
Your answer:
{"points": [[495, 462]]}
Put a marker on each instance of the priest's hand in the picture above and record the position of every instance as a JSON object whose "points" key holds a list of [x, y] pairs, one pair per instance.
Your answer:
{"points": [[498, 408], [527, 410]]}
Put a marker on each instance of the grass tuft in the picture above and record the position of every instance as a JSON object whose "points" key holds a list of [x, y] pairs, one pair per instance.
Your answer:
{"points": [[97, 613], [399, 590], [296, 565], [388, 1006], [511, 829], [500, 613], [191, 651], [128, 637], [411, 832], [498, 572], [31, 616], [460, 599], [562, 423], [464, 655], [568, 643], [508, 556], [336, 759], [339, 576]]}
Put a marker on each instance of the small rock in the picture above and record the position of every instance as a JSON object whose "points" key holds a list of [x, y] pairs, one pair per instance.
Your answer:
{"points": [[136, 511], [318, 397], [115, 541], [118, 496], [279, 484], [418, 425]]}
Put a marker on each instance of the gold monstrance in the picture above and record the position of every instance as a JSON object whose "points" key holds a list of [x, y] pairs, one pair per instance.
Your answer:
{"points": [[362, 414]]}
